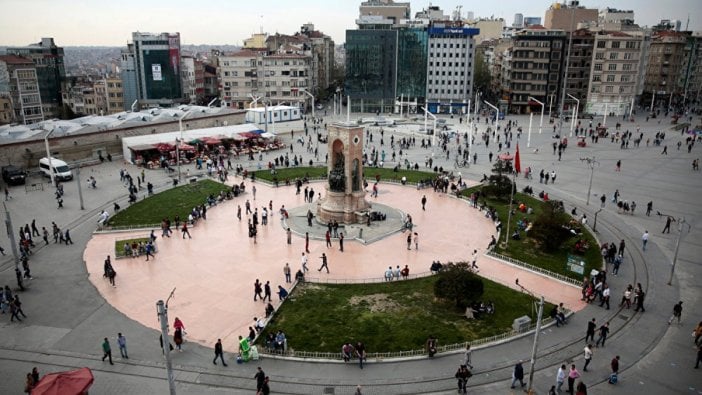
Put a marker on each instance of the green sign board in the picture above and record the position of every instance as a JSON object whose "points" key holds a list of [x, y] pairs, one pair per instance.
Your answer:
{"points": [[575, 264]]}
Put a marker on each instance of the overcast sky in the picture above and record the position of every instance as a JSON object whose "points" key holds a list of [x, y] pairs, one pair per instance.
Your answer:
{"points": [[110, 23]]}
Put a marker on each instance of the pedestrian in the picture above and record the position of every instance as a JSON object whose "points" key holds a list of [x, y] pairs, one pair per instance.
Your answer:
{"points": [[604, 331], [122, 343], [467, 357], [258, 290], [260, 377], [286, 272], [307, 242], [560, 377], [35, 375], [473, 261], [639, 295], [619, 166], [324, 263], [304, 263], [282, 293], [341, 241], [185, 231], [644, 239], [677, 313], [107, 350], [15, 308], [615, 370], [267, 291], [253, 191], [288, 232], [668, 220], [219, 352], [573, 374], [360, 353], [67, 237], [29, 382], [590, 333], [603, 199], [518, 375], [605, 296], [409, 241], [649, 208], [416, 241], [462, 375], [699, 356], [621, 247], [424, 202], [587, 351]]}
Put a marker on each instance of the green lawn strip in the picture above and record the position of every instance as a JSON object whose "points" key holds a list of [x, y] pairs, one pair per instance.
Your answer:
{"points": [[167, 204], [387, 317], [291, 173], [119, 245], [527, 250]]}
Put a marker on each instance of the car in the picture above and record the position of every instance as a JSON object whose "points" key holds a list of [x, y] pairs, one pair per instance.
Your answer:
{"points": [[14, 175]]}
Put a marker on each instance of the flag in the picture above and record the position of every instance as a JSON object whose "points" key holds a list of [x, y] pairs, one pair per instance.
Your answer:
{"points": [[517, 164]]}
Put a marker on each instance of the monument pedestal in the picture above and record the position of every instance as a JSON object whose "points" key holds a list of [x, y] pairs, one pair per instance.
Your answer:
{"points": [[348, 208]]}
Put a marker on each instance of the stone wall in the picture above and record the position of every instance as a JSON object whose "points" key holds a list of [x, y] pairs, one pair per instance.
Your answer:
{"points": [[85, 147]]}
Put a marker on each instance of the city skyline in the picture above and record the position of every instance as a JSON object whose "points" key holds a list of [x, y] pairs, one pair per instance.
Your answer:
{"points": [[103, 23]]}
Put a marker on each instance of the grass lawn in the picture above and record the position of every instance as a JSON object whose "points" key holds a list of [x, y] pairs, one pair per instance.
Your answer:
{"points": [[527, 250], [167, 204], [119, 245], [396, 316], [370, 173]]}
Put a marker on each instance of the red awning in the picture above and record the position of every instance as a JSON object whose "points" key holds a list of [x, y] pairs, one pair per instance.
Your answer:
{"points": [[165, 147], [74, 382], [186, 147], [211, 140], [505, 156]]}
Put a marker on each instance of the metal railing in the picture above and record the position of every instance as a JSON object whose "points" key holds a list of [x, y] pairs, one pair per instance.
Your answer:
{"points": [[373, 280], [536, 269]]}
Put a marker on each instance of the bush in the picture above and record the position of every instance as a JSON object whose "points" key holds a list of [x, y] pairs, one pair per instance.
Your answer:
{"points": [[458, 284], [550, 226], [499, 184]]}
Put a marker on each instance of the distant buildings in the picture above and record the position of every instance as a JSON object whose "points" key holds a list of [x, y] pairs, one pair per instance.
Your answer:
{"points": [[19, 82], [48, 61], [567, 17]]}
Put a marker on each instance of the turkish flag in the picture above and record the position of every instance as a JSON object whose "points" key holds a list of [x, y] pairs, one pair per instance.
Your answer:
{"points": [[517, 164]]}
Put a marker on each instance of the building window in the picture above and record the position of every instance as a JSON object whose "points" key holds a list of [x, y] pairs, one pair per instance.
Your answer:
{"points": [[613, 55], [596, 78], [612, 67], [609, 89], [615, 44], [610, 78], [626, 67], [599, 55], [628, 56], [601, 44]]}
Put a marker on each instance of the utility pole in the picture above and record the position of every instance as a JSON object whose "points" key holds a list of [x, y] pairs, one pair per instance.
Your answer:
{"points": [[681, 222], [590, 162], [162, 312], [13, 244], [511, 198], [80, 190], [536, 345]]}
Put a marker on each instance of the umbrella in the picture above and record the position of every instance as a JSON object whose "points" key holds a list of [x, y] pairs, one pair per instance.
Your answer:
{"points": [[164, 146], [211, 140], [238, 137], [195, 141], [186, 147], [267, 135], [73, 382], [505, 156]]}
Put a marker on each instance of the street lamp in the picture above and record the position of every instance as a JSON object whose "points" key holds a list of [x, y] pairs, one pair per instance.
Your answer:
{"points": [[303, 90], [575, 112], [497, 117], [681, 222], [590, 162], [48, 155], [433, 135], [541, 123], [162, 314], [180, 128]]}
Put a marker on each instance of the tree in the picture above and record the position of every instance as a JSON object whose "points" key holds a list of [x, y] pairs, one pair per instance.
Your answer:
{"points": [[481, 78], [499, 184], [457, 283], [550, 226]]}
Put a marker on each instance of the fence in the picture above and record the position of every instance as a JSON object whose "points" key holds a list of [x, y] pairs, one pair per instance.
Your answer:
{"points": [[515, 262]]}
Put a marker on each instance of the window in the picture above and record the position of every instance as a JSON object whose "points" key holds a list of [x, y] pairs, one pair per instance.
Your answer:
{"points": [[596, 78], [599, 55], [626, 67], [612, 67], [625, 78], [628, 56], [613, 55], [601, 44], [598, 66], [610, 78], [609, 89], [615, 44]]}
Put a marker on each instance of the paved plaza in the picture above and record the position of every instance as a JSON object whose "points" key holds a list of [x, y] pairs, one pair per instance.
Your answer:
{"points": [[71, 307]]}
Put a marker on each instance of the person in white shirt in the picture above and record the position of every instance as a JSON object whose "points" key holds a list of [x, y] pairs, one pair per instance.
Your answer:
{"points": [[605, 296], [304, 263], [560, 378], [389, 274], [588, 356]]}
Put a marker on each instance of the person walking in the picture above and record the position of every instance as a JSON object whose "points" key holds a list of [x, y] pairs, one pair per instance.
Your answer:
{"points": [[288, 233], [604, 331], [615, 370], [639, 295], [649, 208], [267, 291], [122, 343], [424, 202], [644, 239], [258, 291], [518, 375], [107, 350], [341, 242], [409, 241], [573, 374], [307, 242], [260, 377], [605, 296], [467, 357], [360, 353], [265, 388], [462, 375], [587, 351], [219, 352], [560, 377], [590, 333], [327, 236], [474, 259], [286, 272], [304, 263], [324, 263], [677, 313], [668, 220], [185, 231], [416, 241]]}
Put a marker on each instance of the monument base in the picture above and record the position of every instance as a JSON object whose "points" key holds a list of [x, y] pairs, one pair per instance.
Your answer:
{"points": [[345, 208]]}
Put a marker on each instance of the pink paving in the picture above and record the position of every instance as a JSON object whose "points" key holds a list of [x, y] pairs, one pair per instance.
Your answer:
{"points": [[214, 272]]}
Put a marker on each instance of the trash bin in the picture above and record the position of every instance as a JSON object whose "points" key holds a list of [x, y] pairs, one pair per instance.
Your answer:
{"points": [[521, 324]]}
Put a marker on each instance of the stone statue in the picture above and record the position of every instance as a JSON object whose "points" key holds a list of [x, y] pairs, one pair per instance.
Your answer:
{"points": [[337, 179]]}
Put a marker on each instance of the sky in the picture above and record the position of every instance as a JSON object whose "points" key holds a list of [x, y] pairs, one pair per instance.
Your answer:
{"points": [[110, 23]]}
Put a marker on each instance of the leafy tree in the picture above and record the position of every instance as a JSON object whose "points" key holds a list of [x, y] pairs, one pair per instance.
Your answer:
{"points": [[481, 79], [458, 284], [499, 184], [550, 226]]}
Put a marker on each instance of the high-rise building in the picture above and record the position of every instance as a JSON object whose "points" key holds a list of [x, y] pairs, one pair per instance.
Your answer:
{"points": [[7, 114], [537, 66], [19, 80], [450, 70], [690, 81], [665, 62], [412, 44], [518, 20], [128, 74], [567, 17], [387, 9], [156, 65], [48, 61], [579, 67]]}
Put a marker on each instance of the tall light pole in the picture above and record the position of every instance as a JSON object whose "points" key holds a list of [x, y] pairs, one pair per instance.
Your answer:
{"points": [[13, 244], [681, 222], [575, 113], [541, 124], [497, 116], [536, 345], [162, 314], [653, 100], [180, 140], [303, 90], [433, 135], [565, 74], [48, 155], [592, 162]]}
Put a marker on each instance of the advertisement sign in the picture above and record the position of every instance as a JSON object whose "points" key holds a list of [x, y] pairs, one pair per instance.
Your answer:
{"points": [[575, 264], [156, 72], [174, 52]]}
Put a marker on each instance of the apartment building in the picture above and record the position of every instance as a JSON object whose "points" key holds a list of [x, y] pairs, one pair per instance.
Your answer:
{"points": [[567, 17], [616, 71], [388, 9], [192, 73], [690, 81], [114, 96], [19, 80], [537, 66], [6, 112], [665, 62], [581, 45]]}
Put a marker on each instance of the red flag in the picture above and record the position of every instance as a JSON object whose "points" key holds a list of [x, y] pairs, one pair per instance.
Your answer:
{"points": [[517, 164]]}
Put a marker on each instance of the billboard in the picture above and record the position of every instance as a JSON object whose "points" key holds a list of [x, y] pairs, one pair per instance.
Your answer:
{"points": [[156, 72], [174, 52]]}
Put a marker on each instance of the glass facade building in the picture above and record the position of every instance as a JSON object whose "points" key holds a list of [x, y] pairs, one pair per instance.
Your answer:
{"points": [[371, 69], [412, 63]]}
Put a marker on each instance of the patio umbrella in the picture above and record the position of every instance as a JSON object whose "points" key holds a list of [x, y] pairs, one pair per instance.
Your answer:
{"points": [[186, 147], [211, 140], [195, 141], [238, 137], [73, 382], [165, 147], [505, 156]]}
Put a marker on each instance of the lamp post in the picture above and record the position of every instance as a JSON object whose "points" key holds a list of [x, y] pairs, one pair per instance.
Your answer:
{"points": [[162, 314], [575, 112], [470, 130], [433, 135], [511, 198], [590, 162], [541, 124], [48, 155], [13, 244], [497, 117], [681, 222], [180, 128], [303, 90], [653, 100], [536, 345]]}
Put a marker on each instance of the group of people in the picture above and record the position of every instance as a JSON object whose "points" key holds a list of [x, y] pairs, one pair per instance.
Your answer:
{"points": [[349, 352]]}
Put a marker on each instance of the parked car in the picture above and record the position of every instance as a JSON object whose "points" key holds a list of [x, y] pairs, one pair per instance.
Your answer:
{"points": [[14, 175]]}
